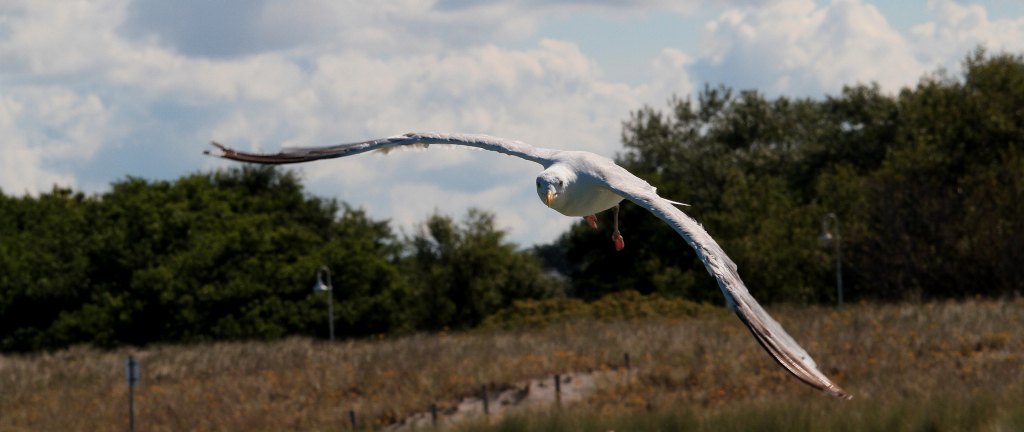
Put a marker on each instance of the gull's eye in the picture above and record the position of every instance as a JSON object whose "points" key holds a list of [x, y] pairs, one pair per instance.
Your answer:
{"points": [[561, 183], [538, 184]]}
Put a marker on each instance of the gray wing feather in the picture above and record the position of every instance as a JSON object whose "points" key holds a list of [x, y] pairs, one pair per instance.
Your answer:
{"points": [[769, 333], [422, 140]]}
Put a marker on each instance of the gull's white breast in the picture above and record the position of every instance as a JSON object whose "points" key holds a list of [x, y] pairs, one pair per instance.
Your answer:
{"points": [[585, 198]]}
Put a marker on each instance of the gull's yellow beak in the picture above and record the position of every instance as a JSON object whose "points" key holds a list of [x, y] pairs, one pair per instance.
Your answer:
{"points": [[551, 196]]}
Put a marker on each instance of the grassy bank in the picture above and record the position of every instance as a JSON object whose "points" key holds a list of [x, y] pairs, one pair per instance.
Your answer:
{"points": [[954, 366], [932, 414]]}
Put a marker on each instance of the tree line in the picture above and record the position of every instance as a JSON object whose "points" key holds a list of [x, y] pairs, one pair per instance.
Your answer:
{"points": [[927, 185], [232, 255]]}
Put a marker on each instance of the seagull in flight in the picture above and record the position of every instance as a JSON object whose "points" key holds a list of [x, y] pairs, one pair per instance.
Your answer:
{"points": [[582, 184]]}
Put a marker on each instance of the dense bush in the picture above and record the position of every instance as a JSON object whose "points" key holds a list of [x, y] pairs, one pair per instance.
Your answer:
{"points": [[465, 272], [231, 255], [928, 186]]}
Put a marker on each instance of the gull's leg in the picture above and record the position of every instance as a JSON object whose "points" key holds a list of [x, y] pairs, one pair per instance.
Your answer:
{"points": [[592, 220], [616, 237]]}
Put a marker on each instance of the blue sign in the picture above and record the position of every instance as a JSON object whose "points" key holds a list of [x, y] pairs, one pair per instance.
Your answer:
{"points": [[131, 371]]}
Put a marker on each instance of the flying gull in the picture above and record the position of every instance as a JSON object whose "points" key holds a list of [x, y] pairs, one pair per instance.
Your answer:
{"points": [[576, 183]]}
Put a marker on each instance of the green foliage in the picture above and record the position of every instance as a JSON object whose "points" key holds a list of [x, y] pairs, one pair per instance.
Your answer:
{"points": [[232, 255], [466, 272], [927, 186], [44, 263], [612, 307], [948, 213], [221, 256]]}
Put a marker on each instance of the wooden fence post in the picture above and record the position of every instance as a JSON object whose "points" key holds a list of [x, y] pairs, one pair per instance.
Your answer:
{"points": [[483, 391], [558, 389], [629, 382]]}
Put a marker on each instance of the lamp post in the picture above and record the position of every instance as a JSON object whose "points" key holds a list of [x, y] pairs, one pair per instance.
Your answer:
{"points": [[321, 288], [825, 237]]}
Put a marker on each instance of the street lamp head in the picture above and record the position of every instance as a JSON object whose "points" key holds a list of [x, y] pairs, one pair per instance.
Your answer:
{"points": [[320, 288], [826, 236]]}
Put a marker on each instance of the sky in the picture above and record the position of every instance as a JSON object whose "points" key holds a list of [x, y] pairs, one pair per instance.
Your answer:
{"points": [[93, 91]]}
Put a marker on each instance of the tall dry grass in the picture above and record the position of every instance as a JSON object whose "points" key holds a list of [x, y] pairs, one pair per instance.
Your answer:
{"points": [[885, 355]]}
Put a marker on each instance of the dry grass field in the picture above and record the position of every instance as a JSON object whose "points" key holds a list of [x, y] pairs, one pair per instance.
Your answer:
{"points": [[931, 367]]}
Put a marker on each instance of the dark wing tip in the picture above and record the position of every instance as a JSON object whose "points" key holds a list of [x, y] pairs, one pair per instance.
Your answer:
{"points": [[224, 150], [832, 389], [229, 153], [785, 357]]}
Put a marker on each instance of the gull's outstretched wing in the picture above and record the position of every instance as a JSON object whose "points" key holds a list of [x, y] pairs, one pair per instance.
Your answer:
{"points": [[768, 332], [413, 140]]}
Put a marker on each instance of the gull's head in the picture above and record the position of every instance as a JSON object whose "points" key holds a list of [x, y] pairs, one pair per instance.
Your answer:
{"points": [[552, 183]]}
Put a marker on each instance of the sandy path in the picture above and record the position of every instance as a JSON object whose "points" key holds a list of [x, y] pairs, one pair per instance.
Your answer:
{"points": [[534, 393]]}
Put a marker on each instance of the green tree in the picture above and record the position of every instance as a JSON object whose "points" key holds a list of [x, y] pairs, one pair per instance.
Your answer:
{"points": [[926, 184], [736, 159], [232, 255], [946, 218], [466, 271], [45, 245], [225, 255]]}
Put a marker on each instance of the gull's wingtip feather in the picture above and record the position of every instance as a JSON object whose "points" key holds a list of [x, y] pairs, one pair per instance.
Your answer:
{"points": [[839, 393], [223, 150]]}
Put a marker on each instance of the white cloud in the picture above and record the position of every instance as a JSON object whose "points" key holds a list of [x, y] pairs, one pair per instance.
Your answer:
{"points": [[136, 86], [43, 38], [212, 29], [215, 29], [957, 30], [44, 127], [796, 47], [669, 77], [551, 95]]}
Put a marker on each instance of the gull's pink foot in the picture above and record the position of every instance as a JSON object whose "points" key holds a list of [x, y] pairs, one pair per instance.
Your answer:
{"points": [[616, 237], [592, 220]]}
